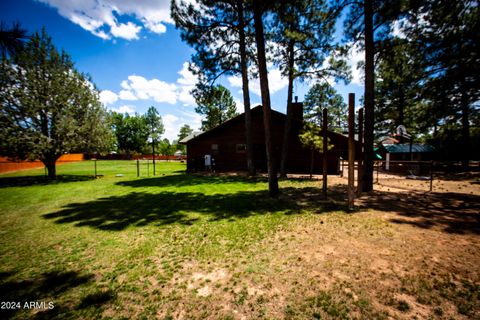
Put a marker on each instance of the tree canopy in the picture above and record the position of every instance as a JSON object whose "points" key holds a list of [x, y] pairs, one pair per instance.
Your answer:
{"points": [[323, 95], [185, 130], [301, 34], [222, 36], [12, 39], [428, 73], [216, 104], [131, 132], [47, 107], [155, 124]]}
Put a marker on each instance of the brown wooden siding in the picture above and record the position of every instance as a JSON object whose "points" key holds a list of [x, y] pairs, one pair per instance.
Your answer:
{"points": [[232, 133]]}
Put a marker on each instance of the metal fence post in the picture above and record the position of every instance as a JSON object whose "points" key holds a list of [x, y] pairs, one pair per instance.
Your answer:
{"points": [[138, 168]]}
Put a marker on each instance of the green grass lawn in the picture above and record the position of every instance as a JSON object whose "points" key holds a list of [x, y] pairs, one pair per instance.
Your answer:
{"points": [[94, 244], [179, 246]]}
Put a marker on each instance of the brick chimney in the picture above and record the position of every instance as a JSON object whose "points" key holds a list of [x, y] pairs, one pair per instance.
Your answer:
{"points": [[297, 110]]}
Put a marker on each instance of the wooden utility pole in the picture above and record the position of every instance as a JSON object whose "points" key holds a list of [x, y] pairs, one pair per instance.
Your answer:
{"points": [[360, 162], [351, 150], [325, 150]]}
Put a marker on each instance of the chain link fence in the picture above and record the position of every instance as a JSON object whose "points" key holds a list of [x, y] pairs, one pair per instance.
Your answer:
{"points": [[423, 176], [408, 175]]}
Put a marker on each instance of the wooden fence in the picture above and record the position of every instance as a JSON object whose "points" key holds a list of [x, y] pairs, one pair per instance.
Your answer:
{"points": [[7, 165]]}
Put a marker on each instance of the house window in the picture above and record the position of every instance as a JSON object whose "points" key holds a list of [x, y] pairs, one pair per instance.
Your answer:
{"points": [[240, 148]]}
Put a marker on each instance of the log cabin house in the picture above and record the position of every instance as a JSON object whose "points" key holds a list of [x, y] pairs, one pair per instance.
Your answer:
{"points": [[225, 144]]}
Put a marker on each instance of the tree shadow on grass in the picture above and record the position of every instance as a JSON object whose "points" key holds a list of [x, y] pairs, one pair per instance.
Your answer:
{"points": [[139, 208], [182, 180], [450, 212], [39, 298], [6, 182]]}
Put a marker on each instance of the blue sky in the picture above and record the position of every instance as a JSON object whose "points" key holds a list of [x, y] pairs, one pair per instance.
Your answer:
{"points": [[136, 57]]}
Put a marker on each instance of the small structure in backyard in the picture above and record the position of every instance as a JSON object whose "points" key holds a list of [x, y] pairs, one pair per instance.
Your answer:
{"points": [[404, 152], [225, 145]]}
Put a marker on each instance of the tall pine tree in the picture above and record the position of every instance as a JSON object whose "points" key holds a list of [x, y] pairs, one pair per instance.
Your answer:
{"points": [[367, 22], [447, 31], [259, 9], [221, 34], [302, 37], [323, 95]]}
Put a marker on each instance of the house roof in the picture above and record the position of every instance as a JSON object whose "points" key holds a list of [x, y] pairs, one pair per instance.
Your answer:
{"points": [[226, 123], [405, 148], [256, 110], [190, 137]]}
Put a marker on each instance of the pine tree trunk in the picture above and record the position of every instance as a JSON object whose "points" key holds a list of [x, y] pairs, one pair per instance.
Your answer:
{"points": [[288, 120], [312, 159], [367, 177], [401, 107], [262, 69], [246, 93], [465, 131]]}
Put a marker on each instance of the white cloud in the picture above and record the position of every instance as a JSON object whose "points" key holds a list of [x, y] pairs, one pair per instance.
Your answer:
{"points": [[239, 105], [124, 84], [124, 109], [100, 16], [356, 55], [173, 123], [169, 119], [188, 78], [155, 27], [186, 97], [235, 81], [194, 120], [172, 126], [127, 31], [141, 88], [127, 95], [187, 83], [91, 25], [108, 97], [276, 82]]}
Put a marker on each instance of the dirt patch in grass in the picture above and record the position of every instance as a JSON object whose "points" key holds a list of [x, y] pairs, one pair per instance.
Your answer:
{"points": [[341, 267], [401, 255]]}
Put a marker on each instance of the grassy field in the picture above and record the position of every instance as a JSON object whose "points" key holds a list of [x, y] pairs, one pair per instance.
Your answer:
{"points": [[179, 246]]}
